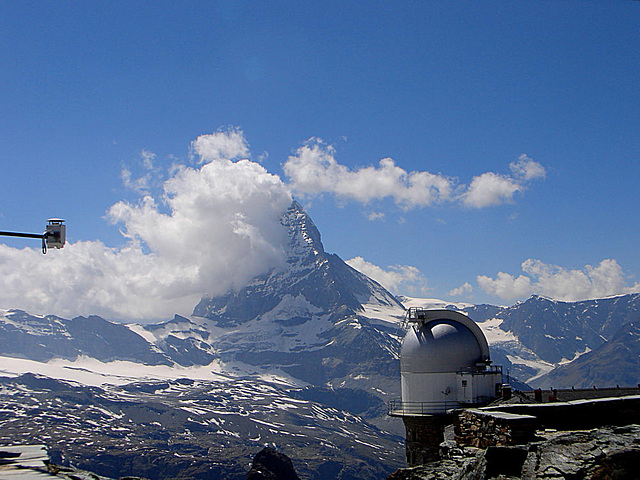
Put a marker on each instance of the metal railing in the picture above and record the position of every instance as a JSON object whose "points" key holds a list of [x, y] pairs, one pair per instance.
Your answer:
{"points": [[398, 408], [481, 370]]}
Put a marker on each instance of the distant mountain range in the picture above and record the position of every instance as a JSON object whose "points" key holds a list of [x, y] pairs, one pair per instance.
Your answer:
{"points": [[547, 334], [316, 335]]}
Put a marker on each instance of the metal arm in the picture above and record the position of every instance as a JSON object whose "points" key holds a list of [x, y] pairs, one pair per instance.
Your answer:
{"points": [[24, 235], [54, 236], [43, 236]]}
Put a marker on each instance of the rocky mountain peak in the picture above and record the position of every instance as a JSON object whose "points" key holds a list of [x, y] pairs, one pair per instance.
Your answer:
{"points": [[304, 237], [313, 283]]}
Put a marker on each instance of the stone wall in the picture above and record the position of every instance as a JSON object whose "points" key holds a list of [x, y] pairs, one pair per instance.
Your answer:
{"points": [[570, 394], [423, 438], [481, 429]]}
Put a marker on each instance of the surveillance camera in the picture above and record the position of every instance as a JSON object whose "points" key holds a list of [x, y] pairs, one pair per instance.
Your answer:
{"points": [[55, 234]]}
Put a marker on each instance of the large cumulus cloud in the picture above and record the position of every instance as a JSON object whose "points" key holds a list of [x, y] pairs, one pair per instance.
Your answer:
{"points": [[211, 228]]}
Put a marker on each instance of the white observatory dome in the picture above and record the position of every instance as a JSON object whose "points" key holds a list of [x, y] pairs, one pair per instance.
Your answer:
{"points": [[444, 362], [440, 346]]}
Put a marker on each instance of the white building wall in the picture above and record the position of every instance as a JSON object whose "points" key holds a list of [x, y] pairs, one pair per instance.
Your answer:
{"points": [[486, 384], [466, 388], [427, 390]]}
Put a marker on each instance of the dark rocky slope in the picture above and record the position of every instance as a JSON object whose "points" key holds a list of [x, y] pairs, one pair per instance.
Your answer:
{"points": [[601, 454], [614, 362]]}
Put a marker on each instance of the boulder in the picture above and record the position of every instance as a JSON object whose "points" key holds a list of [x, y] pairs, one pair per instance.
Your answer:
{"points": [[271, 465]]}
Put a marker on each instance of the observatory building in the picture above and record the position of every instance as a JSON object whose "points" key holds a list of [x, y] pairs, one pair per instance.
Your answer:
{"points": [[444, 364]]}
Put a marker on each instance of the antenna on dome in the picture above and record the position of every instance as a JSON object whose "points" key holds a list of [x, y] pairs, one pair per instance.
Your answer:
{"points": [[53, 237]]}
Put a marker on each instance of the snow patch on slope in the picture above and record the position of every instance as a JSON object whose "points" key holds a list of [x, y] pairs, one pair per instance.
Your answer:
{"points": [[564, 361], [432, 303], [290, 307], [264, 334], [495, 334], [140, 330], [540, 366], [92, 372], [387, 313]]}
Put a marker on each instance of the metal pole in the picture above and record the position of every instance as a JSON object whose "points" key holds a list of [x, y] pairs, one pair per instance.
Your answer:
{"points": [[42, 236], [23, 235]]}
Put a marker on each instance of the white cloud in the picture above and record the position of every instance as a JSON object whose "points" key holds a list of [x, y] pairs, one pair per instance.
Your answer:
{"points": [[527, 169], [313, 170], [376, 216], [397, 278], [223, 145], [506, 286], [554, 281], [463, 289], [151, 176], [211, 229], [490, 189]]}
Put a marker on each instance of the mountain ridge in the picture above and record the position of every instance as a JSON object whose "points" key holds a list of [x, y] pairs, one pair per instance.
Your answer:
{"points": [[559, 331]]}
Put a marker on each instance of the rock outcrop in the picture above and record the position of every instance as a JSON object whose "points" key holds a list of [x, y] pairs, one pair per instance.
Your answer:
{"points": [[271, 465], [599, 454]]}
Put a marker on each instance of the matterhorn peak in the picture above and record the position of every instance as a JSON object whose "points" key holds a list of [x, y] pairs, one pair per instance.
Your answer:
{"points": [[312, 282], [302, 231]]}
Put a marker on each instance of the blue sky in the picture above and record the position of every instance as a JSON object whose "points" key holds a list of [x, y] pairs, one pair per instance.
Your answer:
{"points": [[459, 89]]}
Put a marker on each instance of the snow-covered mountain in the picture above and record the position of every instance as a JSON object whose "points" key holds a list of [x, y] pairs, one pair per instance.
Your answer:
{"points": [[42, 338], [307, 321], [560, 331], [534, 337], [314, 330]]}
